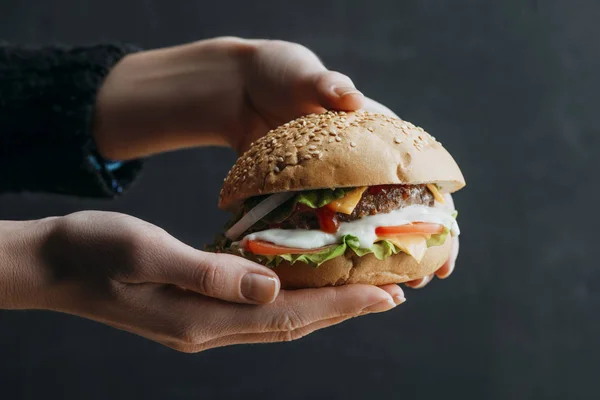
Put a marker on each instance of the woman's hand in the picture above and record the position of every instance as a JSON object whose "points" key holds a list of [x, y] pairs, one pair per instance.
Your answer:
{"points": [[224, 91], [134, 276]]}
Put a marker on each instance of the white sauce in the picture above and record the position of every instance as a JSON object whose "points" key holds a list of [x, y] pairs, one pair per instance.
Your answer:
{"points": [[363, 229]]}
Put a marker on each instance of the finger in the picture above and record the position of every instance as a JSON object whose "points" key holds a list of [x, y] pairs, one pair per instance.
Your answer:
{"points": [[225, 277], [295, 82], [420, 283], [396, 292], [221, 276], [298, 308], [336, 91], [257, 338]]}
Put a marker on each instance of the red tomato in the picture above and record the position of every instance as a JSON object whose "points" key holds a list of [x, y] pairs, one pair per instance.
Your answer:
{"points": [[328, 221], [417, 228], [271, 249]]}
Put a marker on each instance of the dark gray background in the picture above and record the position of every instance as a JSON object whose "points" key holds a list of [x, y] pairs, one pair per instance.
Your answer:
{"points": [[511, 89]]}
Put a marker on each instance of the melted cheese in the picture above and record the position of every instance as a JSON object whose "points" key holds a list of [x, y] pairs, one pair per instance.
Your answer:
{"points": [[413, 245], [346, 204], [436, 192]]}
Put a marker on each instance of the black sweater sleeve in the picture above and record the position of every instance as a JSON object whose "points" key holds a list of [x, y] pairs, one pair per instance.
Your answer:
{"points": [[47, 98]]}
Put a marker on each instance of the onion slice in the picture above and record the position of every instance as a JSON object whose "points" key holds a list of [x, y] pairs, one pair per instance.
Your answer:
{"points": [[257, 213]]}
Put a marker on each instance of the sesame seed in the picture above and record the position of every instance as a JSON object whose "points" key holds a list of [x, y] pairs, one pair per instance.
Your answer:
{"points": [[276, 169], [338, 139], [306, 157], [330, 140], [397, 140], [298, 145], [352, 144], [332, 133], [280, 159], [370, 129], [288, 154], [313, 147], [312, 135]]}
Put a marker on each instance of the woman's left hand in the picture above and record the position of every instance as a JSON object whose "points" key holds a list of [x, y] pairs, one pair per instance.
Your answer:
{"points": [[224, 91]]}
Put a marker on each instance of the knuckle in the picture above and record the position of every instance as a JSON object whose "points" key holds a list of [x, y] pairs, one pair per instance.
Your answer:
{"points": [[287, 321], [208, 279]]}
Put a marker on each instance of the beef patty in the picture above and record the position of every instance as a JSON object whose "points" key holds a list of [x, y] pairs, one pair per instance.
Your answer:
{"points": [[375, 200]]}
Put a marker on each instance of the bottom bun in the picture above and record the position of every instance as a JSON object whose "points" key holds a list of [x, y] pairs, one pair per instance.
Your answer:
{"points": [[351, 268]]}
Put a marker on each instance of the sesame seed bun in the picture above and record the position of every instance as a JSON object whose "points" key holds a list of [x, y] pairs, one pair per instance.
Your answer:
{"points": [[367, 269], [338, 149]]}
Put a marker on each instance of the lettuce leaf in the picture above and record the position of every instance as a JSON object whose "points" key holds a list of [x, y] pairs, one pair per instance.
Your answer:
{"points": [[440, 238]]}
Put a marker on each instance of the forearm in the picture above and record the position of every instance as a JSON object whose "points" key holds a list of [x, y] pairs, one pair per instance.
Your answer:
{"points": [[23, 277], [187, 86]]}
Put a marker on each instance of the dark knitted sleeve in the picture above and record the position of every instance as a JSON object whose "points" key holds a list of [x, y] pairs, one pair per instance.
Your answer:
{"points": [[47, 98]]}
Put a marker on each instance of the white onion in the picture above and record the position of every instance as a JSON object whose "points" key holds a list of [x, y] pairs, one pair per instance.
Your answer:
{"points": [[257, 213]]}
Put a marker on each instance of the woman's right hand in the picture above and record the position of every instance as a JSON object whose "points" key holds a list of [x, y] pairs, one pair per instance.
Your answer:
{"points": [[130, 274]]}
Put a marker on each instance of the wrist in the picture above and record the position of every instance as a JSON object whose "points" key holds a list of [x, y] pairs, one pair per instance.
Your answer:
{"points": [[24, 278], [167, 99]]}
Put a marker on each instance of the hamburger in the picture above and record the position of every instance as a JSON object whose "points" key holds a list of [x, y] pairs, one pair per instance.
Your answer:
{"points": [[338, 198]]}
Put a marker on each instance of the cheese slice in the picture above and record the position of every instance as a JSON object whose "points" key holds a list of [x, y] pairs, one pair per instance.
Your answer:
{"points": [[436, 192], [346, 204], [413, 245]]}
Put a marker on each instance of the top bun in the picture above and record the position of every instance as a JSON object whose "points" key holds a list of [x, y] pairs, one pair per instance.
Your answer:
{"points": [[339, 149]]}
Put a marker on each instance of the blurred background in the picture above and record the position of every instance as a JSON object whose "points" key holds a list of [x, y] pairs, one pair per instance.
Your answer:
{"points": [[510, 87]]}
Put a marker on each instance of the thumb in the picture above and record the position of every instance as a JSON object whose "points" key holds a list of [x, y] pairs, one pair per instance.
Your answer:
{"points": [[292, 81], [336, 91], [222, 276]]}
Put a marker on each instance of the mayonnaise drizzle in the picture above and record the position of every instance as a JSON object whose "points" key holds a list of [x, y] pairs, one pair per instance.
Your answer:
{"points": [[363, 229]]}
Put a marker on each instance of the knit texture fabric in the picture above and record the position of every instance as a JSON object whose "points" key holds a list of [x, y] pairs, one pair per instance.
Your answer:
{"points": [[47, 98]]}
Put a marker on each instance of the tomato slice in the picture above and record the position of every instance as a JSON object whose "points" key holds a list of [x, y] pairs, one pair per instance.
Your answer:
{"points": [[271, 249], [422, 228]]}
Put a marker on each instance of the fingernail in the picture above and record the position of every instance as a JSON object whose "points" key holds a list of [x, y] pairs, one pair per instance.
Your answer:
{"points": [[399, 299], [259, 288], [382, 306], [345, 90]]}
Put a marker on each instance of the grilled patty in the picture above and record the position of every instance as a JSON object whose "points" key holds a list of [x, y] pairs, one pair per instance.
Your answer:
{"points": [[375, 200]]}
